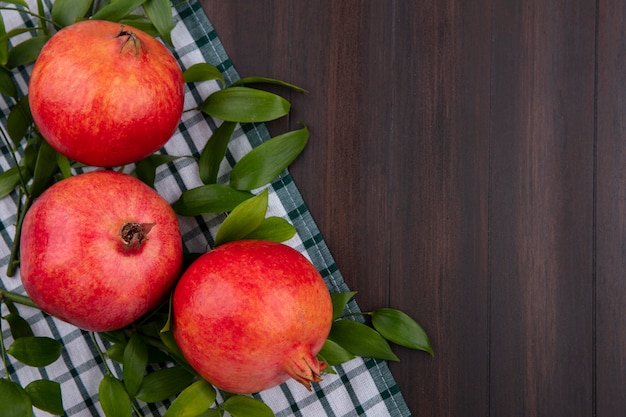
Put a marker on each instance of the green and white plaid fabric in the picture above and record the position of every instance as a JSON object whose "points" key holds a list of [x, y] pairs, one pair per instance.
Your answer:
{"points": [[360, 388]]}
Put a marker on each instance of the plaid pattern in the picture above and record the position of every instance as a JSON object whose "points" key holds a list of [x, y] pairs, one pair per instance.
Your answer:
{"points": [[360, 388]]}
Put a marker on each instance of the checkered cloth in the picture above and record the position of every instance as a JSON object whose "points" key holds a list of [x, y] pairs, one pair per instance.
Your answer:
{"points": [[360, 388]]}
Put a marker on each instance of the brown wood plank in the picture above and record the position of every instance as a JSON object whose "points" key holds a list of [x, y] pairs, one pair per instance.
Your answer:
{"points": [[541, 213], [439, 200], [611, 212]]}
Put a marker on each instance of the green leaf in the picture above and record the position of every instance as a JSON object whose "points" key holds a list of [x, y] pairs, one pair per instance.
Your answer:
{"points": [[18, 325], [67, 12], [9, 179], [340, 300], [162, 384], [243, 220], [275, 229], [168, 323], [17, 3], [333, 354], [114, 399], [168, 340], [242, 406], [400, 328], [64, 165], [116, 352], [35, 350], [211, 198], [265, 162], [27, 51], [30, 156], [19, 120], [160, 14], [15, 401], [361, 340], [156, 355], [45, 169], [167, 337], [214, 151], [4, 43], [116, 10], [11, 307], [146, 168], [212, 412], [7, 86], [245, 105], [115, 336], [18, 31], [134, 363], [194, 400], [46, 395], [202, 71], [264, 80]]}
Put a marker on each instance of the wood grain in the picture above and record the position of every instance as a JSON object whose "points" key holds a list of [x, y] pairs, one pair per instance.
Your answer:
{"points": [[466, 165], [438, 218], [541, 209], [611, 211]]}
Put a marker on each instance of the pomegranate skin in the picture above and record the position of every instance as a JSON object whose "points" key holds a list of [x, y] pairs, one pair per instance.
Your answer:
{"points": [[248, 315], [76, 265]]}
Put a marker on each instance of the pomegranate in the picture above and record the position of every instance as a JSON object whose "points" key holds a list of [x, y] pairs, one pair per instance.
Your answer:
{"points": [[100, 250], [250, 314], [105, 94]]}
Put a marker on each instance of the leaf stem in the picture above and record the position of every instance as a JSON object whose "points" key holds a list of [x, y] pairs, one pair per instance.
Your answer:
{"points": [[3, 353], [22, 208], [136, 409], [101, 354], [14, 255], [37, 15], [17, 298], [42, 18], [7, 142]]}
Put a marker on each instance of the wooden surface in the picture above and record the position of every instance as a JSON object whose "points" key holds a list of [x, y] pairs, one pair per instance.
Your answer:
{"points": [[467, 165]]}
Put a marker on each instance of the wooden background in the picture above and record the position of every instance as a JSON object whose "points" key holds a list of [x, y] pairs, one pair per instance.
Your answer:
{"points": [[467, 166]]}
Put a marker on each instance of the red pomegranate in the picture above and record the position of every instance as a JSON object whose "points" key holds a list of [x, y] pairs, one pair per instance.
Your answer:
{"points": [[105, 94], [250, 314], [100, 250]]}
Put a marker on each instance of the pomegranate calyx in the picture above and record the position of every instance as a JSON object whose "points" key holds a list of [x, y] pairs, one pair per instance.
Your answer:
{"points": [[305, 369], [134, 234], [131, 39]]}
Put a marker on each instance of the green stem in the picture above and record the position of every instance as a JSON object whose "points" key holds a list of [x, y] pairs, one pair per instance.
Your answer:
{"points": [[13, 152], [21, 211], [3, 353], [14, 255], [37, 15], [136, 409], [102, 357], [42, 18], [17, 298]]}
